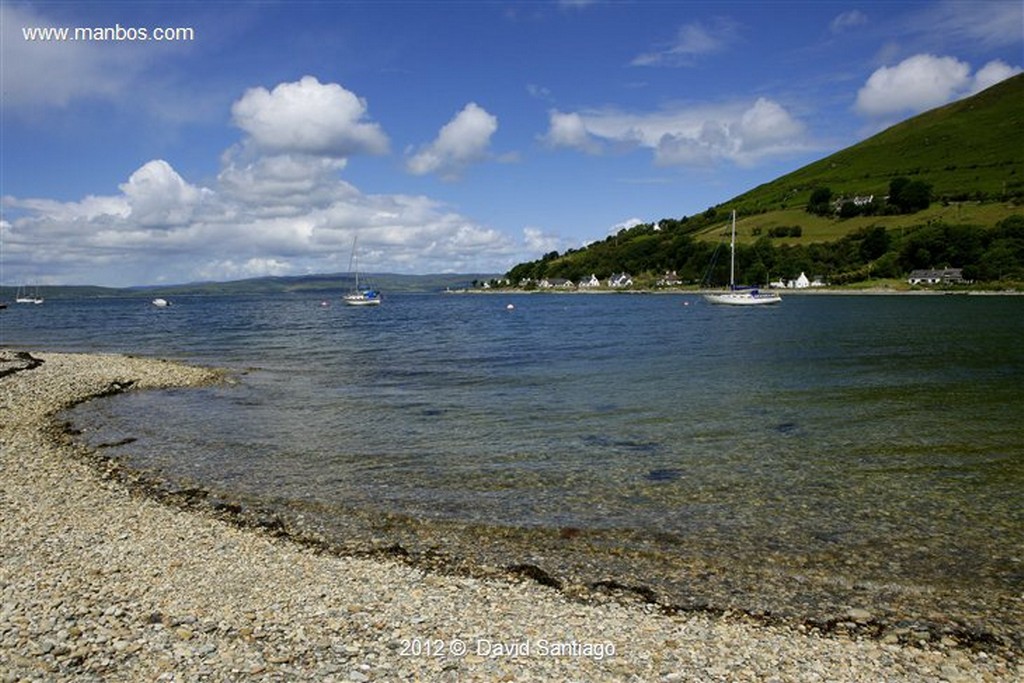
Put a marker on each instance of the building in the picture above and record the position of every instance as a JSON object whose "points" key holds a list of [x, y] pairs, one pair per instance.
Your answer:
{"points": [[555, 283], [940, 276], [669, 279], [620, 280]]}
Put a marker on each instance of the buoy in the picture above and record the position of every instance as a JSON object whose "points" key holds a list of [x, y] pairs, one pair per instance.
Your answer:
{"points": [[161, 303], [510, 307]]}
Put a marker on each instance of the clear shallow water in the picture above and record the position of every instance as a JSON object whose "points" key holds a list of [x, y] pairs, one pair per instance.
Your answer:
{"points": [[884, 429]]}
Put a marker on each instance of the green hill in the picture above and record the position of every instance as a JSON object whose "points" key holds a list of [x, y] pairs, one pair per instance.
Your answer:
{"points": [[972, 149], [967, 157]]}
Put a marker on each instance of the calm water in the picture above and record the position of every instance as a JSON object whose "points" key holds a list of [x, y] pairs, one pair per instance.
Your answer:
{"points": [[887, 429]]}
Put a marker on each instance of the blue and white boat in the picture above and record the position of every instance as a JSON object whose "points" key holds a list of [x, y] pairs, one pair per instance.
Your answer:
{"points": [[739, 295], [360, 296]]}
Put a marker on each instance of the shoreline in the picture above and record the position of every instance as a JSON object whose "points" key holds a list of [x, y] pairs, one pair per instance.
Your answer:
{"points": [[99, 581], [807, 291]]}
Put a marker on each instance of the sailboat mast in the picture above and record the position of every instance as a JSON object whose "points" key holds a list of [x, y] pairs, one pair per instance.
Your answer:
{"points": [[352, 260], [732, 250]]}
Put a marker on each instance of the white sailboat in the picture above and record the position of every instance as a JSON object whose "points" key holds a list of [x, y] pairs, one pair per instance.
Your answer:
{"points": [[360, 296], [23, 297], [740, 296]]}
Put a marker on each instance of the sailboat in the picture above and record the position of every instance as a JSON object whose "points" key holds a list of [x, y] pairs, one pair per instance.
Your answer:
{"points": [[738, 295], [23, 297], [360, 296]]}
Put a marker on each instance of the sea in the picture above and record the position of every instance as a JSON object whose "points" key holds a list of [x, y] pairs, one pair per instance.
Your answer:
{"points": [[827, 453]]}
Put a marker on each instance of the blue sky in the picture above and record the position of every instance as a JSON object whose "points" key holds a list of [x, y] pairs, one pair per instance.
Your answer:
{"points": [[449, 136]]}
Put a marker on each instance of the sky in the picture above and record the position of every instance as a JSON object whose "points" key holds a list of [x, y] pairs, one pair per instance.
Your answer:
{"points": [[268, 138]]}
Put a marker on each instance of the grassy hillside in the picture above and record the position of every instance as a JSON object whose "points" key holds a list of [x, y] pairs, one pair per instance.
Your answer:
{"points": [[969, 150], [969, 153]]}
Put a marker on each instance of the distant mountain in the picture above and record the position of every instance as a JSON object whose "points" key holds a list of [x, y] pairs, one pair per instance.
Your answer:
{"points": [[967, 157], [327, 284], [321, 285]]}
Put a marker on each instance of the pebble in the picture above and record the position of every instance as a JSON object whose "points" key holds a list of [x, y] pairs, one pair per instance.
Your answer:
{"points": [[97, 583]]}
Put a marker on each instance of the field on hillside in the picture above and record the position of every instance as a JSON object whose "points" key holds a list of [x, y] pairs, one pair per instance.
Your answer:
{"points": [[821, 229]]}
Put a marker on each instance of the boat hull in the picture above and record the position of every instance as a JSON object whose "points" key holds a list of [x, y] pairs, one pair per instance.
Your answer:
{"points": [[361, 300], [743, 299]]}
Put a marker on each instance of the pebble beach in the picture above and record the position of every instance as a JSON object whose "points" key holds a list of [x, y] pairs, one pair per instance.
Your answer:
{"points": [[101, 582]]}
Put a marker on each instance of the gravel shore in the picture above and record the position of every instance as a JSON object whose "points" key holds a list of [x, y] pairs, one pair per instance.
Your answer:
{"points": [[98, 582]]}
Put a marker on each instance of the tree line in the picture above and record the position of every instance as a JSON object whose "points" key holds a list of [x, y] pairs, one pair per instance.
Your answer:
{"points": [[905, 196], [985, 255]]}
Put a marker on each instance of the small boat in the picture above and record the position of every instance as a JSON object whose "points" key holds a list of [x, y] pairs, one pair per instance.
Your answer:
{"points": [[161, 303], [360, 296], [739, 295]]}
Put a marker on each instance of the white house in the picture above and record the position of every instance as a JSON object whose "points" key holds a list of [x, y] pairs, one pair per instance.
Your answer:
{"points": [[620, 280], [555, 283], [587, 283], [942, 276]]}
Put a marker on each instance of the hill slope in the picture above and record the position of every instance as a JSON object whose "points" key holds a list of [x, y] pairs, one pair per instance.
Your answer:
{"points": [[970, 149]]}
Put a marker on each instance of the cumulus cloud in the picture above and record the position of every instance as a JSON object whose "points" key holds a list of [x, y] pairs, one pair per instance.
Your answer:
{"points": [[308, 117], [738, 133], [994, 72], [260, 219], [277, 207], [462, 141], [158, 197], [691, 41], [925, 81], [570, 130]]}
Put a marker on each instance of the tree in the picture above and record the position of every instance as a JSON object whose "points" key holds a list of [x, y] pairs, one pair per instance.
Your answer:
{"points": [[876, 242], [820, 202], [909, 196], [848, 209]]}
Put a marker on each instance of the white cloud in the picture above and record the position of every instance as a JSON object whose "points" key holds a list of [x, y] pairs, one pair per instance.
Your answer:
{"points": [[848, 20], [278, 206], [39, 75], [989, 24], [274, 216], [738, 133], [53, 73], [539, 242], [570, 130], [308, 117], [924, 81], [691, 41], [627, 224], [462, 141], [158, 197], [994, 72]]}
